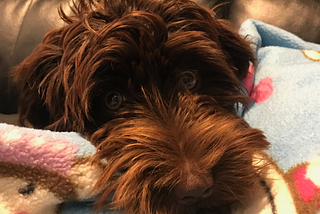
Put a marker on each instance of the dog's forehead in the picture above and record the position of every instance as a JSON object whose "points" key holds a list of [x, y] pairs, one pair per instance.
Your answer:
{"points": [[148, 40], [129, 64]]}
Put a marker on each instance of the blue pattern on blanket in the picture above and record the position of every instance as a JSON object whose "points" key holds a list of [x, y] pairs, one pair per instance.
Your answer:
{"points": [[290, 116]]}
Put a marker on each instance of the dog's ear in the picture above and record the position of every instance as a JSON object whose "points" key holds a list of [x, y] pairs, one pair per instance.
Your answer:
{"points": [[40, 83], [236, 48]]}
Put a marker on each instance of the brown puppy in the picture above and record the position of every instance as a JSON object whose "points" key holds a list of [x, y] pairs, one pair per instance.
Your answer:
{"points": [[154, 85]]}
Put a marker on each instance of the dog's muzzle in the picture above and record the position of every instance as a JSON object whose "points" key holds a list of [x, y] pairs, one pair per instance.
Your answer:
{"points": [[194, 188]]}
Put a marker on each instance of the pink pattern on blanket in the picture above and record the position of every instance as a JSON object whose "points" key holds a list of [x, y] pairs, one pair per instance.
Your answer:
{"points": [[306, 188], [249, 79], [262, 91], [36, 149]]}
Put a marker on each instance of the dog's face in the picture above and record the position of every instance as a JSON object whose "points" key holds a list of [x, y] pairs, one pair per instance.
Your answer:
{"points": [[154, 85]]}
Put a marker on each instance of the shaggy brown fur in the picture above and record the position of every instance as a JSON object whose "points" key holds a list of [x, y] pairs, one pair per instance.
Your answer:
{"points": [[154, 85]]}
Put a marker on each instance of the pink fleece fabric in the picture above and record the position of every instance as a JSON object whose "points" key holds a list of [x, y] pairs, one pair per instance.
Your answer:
{"points": [[17, 146]]}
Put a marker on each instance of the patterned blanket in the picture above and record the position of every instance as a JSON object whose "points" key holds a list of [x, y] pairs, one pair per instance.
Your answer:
{"points": [[43, 172], [285, 94], [41, 169]]}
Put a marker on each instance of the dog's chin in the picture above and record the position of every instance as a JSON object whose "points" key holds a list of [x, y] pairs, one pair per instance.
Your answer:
{"points": [[206, 206], [200, 204], [212, 203]]}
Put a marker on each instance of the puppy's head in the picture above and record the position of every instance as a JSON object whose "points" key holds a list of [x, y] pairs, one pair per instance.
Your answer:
{"points": [[154, 85], [114, 48], [185, 156]]}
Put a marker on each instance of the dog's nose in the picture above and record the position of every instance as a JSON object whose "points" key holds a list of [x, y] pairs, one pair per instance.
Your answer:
{"points": [[193, 188]]}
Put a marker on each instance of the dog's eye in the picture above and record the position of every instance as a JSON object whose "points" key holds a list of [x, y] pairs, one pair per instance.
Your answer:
{"points": [[188, 79], [113, 100]]}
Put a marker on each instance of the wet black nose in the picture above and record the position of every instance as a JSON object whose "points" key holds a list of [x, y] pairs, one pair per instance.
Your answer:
{"points": [[194, 188]]}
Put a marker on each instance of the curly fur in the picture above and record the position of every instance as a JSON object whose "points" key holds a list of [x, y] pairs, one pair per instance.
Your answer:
{"points": [[161, 130]]}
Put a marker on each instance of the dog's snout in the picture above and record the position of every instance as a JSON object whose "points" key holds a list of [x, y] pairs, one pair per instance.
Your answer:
{"points": [[194, 188]]}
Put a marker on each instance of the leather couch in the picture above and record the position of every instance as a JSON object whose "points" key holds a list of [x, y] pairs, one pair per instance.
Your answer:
{"points": [[24, 23], [301, 17], [22, 27]]}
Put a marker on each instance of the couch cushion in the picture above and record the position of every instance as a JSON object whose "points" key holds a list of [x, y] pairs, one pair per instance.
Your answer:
{"points": [[22, 27]]}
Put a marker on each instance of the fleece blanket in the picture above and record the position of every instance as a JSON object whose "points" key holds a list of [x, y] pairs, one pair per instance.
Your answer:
{"points": [[43, 172], [285, 93]]}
